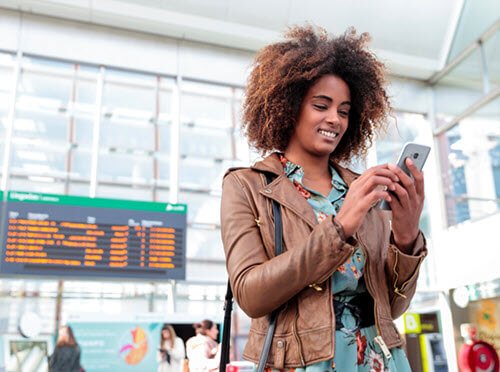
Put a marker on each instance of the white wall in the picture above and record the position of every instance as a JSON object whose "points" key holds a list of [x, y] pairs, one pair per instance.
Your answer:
{"points": [[82, 42]]}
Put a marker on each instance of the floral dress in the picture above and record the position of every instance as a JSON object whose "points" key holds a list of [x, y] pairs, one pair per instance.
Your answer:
{"points": [[354, 350]]}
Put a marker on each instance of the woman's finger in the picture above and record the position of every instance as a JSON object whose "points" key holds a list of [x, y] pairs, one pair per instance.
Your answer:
{"points": [[417, 175], [381, 170], [403, 196], [376, 181]]}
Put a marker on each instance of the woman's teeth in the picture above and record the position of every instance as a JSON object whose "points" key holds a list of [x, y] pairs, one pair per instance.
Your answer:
{"points": [[328, 134]]}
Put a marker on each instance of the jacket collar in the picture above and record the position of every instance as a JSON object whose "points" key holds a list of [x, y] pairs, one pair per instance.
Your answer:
{"points": [[272, 164], [283, 191]]}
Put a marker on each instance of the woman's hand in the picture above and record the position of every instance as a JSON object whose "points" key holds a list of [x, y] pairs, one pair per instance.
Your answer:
{"points": [[407, 207], [363, 192]]}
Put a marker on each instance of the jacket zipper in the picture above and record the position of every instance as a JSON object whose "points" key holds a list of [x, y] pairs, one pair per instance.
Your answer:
{"points": [[368, 282], [379, 340], [294, 330]]}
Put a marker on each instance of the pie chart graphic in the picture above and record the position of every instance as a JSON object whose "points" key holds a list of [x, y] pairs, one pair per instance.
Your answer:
{"points": [[134, 352]]}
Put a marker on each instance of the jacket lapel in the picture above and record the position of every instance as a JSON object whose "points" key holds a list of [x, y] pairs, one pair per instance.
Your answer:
{"points": [[283, 191]]}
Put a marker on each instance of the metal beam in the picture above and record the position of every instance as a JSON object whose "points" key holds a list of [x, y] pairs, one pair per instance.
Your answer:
{"points": [[451, 33], [476, 106], [450, 66]]}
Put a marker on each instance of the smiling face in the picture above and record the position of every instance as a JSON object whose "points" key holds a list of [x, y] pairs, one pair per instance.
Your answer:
{"points": [[323, 119]]}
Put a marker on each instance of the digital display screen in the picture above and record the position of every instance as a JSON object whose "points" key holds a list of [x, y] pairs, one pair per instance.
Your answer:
{"points": [[56, 235]]}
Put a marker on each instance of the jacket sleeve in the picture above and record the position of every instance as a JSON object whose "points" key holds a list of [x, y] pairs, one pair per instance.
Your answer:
{"points": [[178, 352], [261, 284], [53, 359], [402, 273]]}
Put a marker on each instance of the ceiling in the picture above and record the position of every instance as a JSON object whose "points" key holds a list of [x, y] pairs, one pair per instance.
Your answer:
{"points": [[414, 38]]}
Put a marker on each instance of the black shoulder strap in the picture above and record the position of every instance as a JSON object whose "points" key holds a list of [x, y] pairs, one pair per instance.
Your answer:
{"points": [[228, 303]]}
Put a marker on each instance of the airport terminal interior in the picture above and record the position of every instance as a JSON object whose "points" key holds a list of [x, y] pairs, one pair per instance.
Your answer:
{"points": [[119, 118]]}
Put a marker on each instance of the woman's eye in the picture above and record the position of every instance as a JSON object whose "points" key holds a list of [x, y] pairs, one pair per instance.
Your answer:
{"points": [[344, 113], [320, 107]]}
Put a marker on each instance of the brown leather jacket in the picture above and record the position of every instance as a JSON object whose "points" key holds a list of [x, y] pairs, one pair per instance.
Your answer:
{"points": [[298, 279]]}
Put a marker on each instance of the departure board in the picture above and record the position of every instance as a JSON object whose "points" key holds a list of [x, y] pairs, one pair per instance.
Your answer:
{"points": [[56, 235]]}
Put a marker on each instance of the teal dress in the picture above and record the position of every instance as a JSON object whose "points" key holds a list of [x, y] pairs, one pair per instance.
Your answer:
{"points": [[355, 350]]}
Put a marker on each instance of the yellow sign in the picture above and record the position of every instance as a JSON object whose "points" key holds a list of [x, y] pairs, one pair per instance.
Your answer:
{"points": [[412, 323]]}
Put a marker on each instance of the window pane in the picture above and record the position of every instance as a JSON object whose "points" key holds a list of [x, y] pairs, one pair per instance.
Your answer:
{"points": [[82, 160], [127, 134], [164, 140], [409, 129], [491, 47], [163, 168], [202, 174], [55, 90], [44, 185], [208, 142], [38, 158], [206, 271], [84, 128], [204, 243], [459, 89], [206, 105], [123, 192], [41, 125], [79, 189], [86, 88], [470, 163], [129, 95], [119, 167], [202, 207]]}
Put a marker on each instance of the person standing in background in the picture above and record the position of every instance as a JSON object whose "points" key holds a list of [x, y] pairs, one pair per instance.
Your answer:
{"points": [[203, 350], [171, 351], [66, 356]]}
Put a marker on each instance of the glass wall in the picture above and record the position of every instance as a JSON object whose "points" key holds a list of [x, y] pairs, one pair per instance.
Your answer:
{"points": [[65, 115], [467, 130], [405, 127]]}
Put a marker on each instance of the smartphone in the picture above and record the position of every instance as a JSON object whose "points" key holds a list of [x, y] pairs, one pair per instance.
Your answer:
{"points": [[418, 154]]}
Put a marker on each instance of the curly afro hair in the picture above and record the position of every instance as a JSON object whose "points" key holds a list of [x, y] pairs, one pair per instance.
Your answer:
{"points": [[283, 72]]}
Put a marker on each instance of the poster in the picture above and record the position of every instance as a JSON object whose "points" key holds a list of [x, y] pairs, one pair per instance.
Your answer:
{"points": [[121, 346]]}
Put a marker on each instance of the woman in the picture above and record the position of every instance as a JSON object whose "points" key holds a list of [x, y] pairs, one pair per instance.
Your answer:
{"points": [[66, 356], [171, 353], [203, 349], [347, 268]]}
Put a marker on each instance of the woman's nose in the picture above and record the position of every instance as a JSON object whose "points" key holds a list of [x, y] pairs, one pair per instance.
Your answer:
{"points": [[333, 117]]}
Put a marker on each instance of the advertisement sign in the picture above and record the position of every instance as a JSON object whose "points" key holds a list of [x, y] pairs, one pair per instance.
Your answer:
{"points": [[123, 347]]}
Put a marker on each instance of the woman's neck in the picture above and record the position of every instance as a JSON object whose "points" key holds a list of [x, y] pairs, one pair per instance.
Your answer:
{"points": [[314, 167]]}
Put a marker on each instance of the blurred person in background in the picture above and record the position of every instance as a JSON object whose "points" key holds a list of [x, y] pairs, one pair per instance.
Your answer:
{"points": [[313, 104], [66, 356], [171, 352], [203, 351]]}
